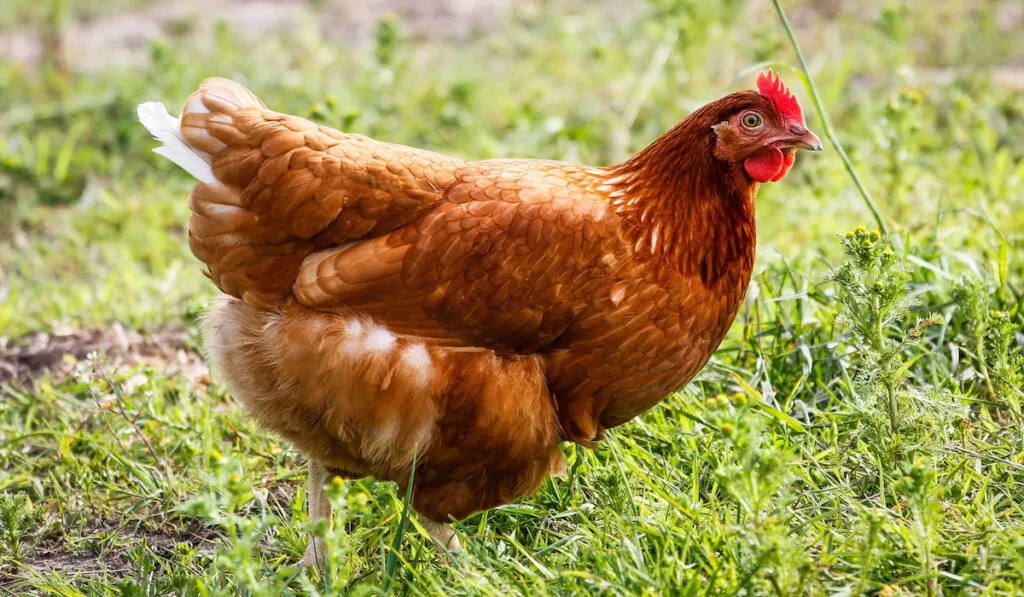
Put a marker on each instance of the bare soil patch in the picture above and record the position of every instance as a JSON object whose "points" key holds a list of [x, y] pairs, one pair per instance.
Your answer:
{"points": [[56, 555], [167, 349]]}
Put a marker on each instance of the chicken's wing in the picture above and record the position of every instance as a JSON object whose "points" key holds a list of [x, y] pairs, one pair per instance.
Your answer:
{"points": [[506, 260]]}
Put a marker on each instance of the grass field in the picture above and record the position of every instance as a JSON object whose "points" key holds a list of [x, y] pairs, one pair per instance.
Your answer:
{"points": [[860, 430]]}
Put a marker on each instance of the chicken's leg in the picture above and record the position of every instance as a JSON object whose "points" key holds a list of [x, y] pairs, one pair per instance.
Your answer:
{"points": [[442, 534], [319, 509]]}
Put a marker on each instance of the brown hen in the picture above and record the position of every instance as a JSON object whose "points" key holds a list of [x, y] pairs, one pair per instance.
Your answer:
{"points": [[389, 305]]}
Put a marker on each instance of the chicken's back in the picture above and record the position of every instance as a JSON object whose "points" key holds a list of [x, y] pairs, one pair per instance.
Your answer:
{"points": [[274, 188]]}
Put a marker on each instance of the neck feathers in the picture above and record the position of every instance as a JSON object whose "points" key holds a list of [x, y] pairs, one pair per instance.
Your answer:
{"points": [[685, 209]]}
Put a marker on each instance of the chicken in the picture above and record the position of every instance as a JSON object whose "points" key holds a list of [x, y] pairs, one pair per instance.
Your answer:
{"points": [[388, 307]]}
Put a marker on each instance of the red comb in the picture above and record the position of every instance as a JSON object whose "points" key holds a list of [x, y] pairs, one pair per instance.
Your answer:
{"points": [[770, 85]]}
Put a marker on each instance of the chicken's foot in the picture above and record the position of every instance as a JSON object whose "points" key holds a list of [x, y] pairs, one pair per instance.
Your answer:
{"points": [[442, 534]]}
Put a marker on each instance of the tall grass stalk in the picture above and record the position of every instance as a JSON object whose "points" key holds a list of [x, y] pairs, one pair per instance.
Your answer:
{"points": [[827, 124]]}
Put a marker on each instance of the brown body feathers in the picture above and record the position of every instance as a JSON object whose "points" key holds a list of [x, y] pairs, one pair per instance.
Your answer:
{"points": [[388, 303]]}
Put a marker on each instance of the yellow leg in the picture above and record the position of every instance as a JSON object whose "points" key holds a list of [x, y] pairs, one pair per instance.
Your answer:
{"points": [[319, 509]]}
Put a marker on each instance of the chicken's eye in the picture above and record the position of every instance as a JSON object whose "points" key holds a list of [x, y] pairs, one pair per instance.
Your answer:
{"points": [[751, 120]]}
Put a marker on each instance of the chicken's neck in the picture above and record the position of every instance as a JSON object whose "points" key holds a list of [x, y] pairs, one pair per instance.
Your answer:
{"points": [[686, 210]]}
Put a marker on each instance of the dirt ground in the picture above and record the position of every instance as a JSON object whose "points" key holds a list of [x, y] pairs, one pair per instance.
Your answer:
{"points": [[120, 39], [58, 355]]}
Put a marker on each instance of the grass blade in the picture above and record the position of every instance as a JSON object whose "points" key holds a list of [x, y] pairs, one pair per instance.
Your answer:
{"points": [[826, 123], [392, 560]]}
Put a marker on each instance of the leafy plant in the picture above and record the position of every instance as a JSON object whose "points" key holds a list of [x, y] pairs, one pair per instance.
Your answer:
{"points": [[873, 301], [19, 520], [233, 507], [987, 333], [918, 487]]}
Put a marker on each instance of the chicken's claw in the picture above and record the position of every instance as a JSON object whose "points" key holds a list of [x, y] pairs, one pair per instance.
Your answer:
{"points": [[443, 535], [316, 554]]}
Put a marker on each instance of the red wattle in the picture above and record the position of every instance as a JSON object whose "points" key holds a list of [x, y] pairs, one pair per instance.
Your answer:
{"points": [[765, 165], [789, 157]]}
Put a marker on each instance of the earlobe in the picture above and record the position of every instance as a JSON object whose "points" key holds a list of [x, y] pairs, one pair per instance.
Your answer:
{"points": [[725, 141]]}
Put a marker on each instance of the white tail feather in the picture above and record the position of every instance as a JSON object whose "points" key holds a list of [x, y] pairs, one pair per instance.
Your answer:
{"points": [[167, 130]]}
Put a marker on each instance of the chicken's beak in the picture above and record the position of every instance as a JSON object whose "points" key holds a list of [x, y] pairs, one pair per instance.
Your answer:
{"points": [[801, 138]]}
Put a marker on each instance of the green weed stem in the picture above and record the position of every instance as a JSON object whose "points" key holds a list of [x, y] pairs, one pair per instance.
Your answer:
{"points": [[826, 123]]}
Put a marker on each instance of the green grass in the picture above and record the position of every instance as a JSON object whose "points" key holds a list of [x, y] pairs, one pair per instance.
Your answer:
{"points": [[779, 471]]}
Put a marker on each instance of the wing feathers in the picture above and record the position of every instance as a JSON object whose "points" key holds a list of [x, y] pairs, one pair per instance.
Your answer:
{"points": [[275, 188]]}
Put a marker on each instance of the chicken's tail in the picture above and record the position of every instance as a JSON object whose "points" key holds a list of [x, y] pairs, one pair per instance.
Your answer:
{"points": [[275, 188], [222, 138], [188, 140]]}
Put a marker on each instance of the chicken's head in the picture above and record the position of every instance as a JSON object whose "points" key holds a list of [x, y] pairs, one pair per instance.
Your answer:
{"points": [[763, 130]]}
